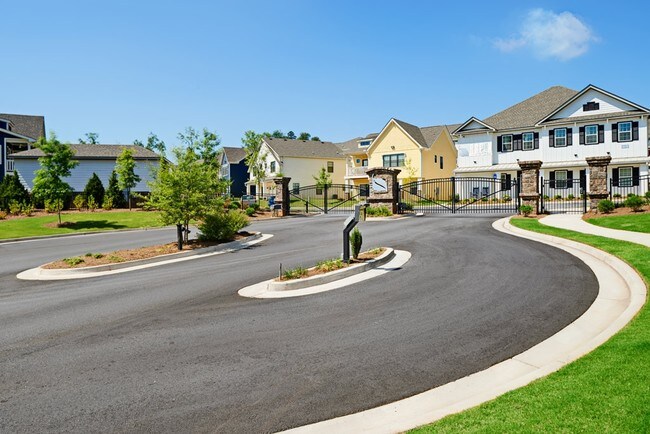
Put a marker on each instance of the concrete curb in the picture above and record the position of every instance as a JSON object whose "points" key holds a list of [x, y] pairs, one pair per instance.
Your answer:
{"points": [[333, 275], [621, 295], [40, 273], [395, 258]]}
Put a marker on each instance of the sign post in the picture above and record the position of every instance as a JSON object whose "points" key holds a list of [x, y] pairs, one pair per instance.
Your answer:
{"points": [[349, 224]]}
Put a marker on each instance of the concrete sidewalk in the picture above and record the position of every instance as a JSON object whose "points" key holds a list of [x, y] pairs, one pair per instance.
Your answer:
{"points": [[574, 222]]}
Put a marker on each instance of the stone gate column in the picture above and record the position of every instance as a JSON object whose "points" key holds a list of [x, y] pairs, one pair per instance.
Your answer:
{"points": [[529, 189], [282, 196], [385, 190], [598, 189]]}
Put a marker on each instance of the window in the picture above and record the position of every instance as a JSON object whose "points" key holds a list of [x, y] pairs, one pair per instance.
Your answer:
{"points": [[364, 162], [393, 160], [590, 106], [529, 141], [364, 190], [358, 160], [435, 158], [625, 177], [560, 179], [625, 131], [330, 167], [560, 137], [506, 143], [591, 134], [272, 166], [441, 163], [365, 142], [296, 188]]}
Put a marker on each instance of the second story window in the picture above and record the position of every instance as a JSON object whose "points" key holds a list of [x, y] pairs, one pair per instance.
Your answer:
{"points": [[330, 167], [364, 162], [625, 131], [393, 160], [591, 134], [560, 137], [506, 143], [364, 143], [272, 167], [529, 141]]}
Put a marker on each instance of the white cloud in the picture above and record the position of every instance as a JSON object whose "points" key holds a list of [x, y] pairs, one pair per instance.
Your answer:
{"points": [[549, 35]]}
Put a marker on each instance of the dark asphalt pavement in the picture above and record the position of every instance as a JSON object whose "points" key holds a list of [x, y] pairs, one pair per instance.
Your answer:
{"points": [[175, 349]]}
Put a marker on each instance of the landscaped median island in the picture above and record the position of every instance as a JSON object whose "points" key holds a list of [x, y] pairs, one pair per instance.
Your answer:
{"points": [[607, 390], [329, 265]]}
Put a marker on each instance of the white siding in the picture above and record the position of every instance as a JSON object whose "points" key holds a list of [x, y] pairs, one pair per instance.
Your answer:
{"points": [[82, 173], [477, 148], [607, 105]]}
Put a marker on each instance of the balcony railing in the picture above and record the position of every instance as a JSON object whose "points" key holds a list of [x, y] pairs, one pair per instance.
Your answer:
{"points": [[356, 171], [10, 166]]}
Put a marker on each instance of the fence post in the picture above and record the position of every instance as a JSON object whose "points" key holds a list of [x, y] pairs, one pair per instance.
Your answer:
{"points": [[453, 194], [325, 198], [282, 195], [541, 195], [530, 184], [598, 179]]}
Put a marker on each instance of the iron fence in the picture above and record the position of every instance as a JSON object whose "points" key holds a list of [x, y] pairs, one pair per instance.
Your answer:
{"points": [[563, 196], [334, 198], [623, 187]]}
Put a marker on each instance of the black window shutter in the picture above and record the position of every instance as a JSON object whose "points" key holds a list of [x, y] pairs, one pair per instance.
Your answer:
{"points": [[601, 133], [582, 135], [635, 176], [615, 177], [614, 132], [517, 142], [499, 144], [508, 181], [535, 140], [569, 136], [552, 179], [635, 130], [551, 138], [583, 179], [569, 179]]}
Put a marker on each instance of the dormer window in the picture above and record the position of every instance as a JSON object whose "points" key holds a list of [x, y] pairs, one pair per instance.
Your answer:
{"points": [[590, 106], [365, 142]]}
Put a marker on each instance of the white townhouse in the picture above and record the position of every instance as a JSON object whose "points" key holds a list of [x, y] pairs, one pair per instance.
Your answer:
{"points": [[560, 127]]}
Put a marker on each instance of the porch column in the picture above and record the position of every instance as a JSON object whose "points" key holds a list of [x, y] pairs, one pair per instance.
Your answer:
{"points": [[384, 193], [282, 196], [529, 193], [598, 188]]}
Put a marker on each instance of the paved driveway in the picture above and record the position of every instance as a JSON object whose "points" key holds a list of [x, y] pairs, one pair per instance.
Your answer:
{"points": [[176, 349]]}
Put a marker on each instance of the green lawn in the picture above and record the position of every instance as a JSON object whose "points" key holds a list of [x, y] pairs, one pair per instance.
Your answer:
{"points": [[628, 222], [83, 222], [608, 390]]}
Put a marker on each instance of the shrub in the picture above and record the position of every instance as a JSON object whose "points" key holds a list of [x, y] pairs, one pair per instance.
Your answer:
{"points": [[115, 258], [634, 202], [295, 273], [11, 189], [79, 201], [27, 209], [378, 211], [616, 195], [14, 207], [94, 255], [456, 197], [3, 215], [557, 197], [75, 260], [647, 195], [330, 265], [235, 204], [507, 198], [222, 225], [525, 210], [95, 189], [606, 206], [53, 205], [92, 203], [255, 206], [114, 192], [250, 211], [108, 203], [406, 206], [570, 197], [546, 197], [356, 240]]}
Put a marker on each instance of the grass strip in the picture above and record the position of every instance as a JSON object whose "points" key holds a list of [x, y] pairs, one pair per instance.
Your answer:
{"points": [[608, 390], [627, 222]]}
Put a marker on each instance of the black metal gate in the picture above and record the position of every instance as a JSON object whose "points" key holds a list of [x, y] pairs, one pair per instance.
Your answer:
{"points": [[335, 198], [567, 196], [623, 187], [460, 195]]}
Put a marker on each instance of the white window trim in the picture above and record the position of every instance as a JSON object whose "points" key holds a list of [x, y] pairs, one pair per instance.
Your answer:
{"points": [[629, 132], [503, 144], [556, 137], [629, 182], [558, 180], [532, 142], [587, 142]]}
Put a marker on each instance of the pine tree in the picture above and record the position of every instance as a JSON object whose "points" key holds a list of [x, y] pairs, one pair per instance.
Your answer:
{"points": [[95, 188], [114, 192]]}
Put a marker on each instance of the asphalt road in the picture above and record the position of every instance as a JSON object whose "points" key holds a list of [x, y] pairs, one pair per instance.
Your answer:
{"points": [[175, 349]]}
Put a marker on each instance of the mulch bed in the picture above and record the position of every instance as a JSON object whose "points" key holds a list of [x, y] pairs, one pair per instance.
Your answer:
{"points": [[363, 257], [92, 259], [617, 211]]}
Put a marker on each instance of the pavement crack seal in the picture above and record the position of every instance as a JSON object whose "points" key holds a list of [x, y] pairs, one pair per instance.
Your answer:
{"points": [[391, 260], [621, 295], [40, 273]]}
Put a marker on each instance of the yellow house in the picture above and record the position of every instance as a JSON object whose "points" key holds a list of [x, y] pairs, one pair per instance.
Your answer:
{"points": [[420, 153]]}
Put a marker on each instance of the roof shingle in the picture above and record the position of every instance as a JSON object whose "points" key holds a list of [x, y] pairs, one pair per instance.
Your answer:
{"points": [[304, 148], [234, 155], [26, 125], [88, 151]]}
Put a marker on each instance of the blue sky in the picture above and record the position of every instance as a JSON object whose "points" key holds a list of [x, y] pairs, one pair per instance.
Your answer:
{"points": [[337, 69]]}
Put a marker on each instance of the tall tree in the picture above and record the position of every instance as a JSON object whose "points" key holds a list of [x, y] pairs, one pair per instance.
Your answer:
{"points": [[56, 164], [125, 168], [315, 139], [91, 139], [276, 134], [304, 136], [205, 144], [255, 158], [291, 135], [153, 144]]}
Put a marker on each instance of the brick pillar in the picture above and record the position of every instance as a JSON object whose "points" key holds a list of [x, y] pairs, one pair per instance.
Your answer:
{"points": [[598, 188], [282, 196], [529, 189], [390, 196]]}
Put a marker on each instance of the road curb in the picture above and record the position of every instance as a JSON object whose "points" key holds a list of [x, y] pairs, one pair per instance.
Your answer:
{"points": [[621, 295], [40, 273]]}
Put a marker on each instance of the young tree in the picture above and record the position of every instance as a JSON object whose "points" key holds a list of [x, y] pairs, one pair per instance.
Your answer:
{"points": [[56, 164], [185, 191], [304, 136], [204, 144], [255, 158], [95, 189], [12, 190], [114, 192], [125, 168], [323, 179], [91, 139]]}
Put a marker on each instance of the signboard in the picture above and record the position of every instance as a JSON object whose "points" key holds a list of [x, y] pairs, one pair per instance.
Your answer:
{"points": [[379, 185]]}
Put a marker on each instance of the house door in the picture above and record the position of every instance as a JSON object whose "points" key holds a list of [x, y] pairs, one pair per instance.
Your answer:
{"points": [[253, 190]]}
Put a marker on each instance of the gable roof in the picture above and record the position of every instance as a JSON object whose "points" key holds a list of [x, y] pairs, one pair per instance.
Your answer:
{"points": [[98, 152], [26, 125], [303, 148], [234, 155], [413, 131], [471, 120]]}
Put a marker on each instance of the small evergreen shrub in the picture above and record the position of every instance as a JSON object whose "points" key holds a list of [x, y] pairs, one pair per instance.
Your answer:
{"points": [[3, 215], [378, 211], [235, 204], [79, 201], [330, 265], [94, 255], [570, 197], [53, 206], [356, 240], [558, 197], [617, 195], [606, 206], [92, 203], [11, 189], [525, 210], [27, 209], [635, 203], [75, 260], [108, 203], [250, 211], [507, 198], [255, 206], [647, 195], [14, 207], [222, 226]]}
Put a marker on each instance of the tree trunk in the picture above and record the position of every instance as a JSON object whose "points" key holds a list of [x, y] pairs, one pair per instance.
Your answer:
{"points": [[59, 216], [128, 197], [187, 230]]}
